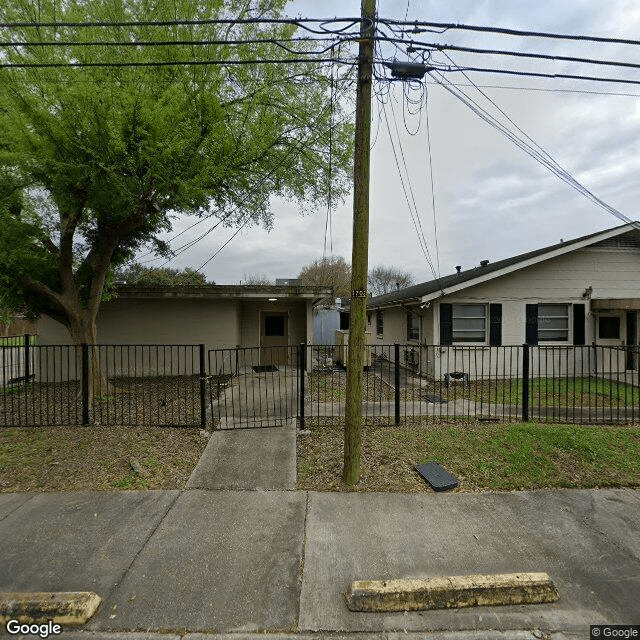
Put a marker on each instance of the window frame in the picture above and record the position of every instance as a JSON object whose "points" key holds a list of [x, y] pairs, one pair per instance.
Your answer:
{"points": [[568, 315], [609, 317], [413, 332], [485, 319], [380, 323]]}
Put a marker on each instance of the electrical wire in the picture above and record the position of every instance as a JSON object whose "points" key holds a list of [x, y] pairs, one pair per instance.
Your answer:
{"points": [[447, 26], [534, 151]]}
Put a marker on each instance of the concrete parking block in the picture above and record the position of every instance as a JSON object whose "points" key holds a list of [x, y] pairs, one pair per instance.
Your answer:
{"points": [[353, 537], [77, 541], [59, 607], [220, 561]]}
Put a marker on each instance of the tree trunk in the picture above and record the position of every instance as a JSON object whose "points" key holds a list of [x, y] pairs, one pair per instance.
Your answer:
{"points": [[83, 330]]}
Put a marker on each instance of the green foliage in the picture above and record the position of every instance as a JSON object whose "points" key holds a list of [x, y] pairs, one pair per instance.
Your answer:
{"points": [[95, 161]]}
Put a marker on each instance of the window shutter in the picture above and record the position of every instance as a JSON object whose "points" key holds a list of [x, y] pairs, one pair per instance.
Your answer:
{"points": [[495, 325], [446, 323], [579, 337], [531, 330]]}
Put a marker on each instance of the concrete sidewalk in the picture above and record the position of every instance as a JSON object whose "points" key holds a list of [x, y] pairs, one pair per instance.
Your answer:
{"points": [[278, 561]]}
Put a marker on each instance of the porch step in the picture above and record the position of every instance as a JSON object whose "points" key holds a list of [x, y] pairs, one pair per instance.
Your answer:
{"points": [[248, 459]]}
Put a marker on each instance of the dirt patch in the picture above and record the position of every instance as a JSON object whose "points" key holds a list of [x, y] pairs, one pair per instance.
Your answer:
{"points": [[97, 458], [150, 401]]}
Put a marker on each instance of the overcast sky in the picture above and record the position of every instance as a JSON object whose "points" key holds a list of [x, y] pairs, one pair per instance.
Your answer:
{"points": [[491, 199]]}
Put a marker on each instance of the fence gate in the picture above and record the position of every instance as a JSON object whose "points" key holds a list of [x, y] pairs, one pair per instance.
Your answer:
{"points": [[254, 386]]}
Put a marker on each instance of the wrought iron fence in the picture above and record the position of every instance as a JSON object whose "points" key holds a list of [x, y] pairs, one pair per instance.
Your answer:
{"points": [[256, 386], [161, 385], [183, 385], [556, 383]]}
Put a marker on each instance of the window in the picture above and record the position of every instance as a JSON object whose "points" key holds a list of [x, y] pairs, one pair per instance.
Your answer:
{"points": [[553, 323], [469, 322], [609, 327], [379, 323], [274, 325], [413, 326]]}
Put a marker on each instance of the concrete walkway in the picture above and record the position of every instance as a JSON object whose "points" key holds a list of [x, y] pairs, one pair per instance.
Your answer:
{"points": [[260, 458], [247, 562], [257, 399]]}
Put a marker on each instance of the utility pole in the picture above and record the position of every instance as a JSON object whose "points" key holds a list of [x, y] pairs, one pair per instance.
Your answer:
{"points": [[360, 251]]}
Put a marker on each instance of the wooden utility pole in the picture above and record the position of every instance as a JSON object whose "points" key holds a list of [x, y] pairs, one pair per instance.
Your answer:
{"points": [[360, 251]]}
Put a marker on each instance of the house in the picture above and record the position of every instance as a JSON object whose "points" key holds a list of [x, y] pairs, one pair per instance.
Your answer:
{"points": [[219, 316], [561, 298], [327, 319]]}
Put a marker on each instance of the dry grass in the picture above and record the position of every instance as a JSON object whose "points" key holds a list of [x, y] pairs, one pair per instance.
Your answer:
{"points": [[483, 456], [97, 458]]}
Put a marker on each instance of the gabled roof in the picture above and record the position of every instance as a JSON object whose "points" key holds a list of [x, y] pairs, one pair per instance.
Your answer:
{"points": [[455, 282]]}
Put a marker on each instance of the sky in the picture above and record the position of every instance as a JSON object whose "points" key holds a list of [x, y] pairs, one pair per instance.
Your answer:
{"points": [[492, 200]]}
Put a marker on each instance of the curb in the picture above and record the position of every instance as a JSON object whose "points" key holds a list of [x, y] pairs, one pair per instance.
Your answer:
{"points": [[451, 592], [68, 608]]}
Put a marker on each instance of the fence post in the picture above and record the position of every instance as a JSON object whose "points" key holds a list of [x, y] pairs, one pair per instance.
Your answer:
{"points": [[396, 380], [203, 389], [27, 364], [525, 383], [302, 350], [85, 384]]}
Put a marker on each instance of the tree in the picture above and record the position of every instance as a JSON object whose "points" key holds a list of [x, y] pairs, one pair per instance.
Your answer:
{"points": [[137, 274], [256, 279], [329, 272], [386, 279], [95, 161]]}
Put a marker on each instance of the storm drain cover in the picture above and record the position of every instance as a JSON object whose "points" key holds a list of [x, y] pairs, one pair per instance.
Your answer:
{"points": [[265, 368], [438, 477]]}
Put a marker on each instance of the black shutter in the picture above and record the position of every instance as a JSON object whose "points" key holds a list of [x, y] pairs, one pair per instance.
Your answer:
{"points": [[531, 330], [446, 323], [579, 337], [495, 325]]}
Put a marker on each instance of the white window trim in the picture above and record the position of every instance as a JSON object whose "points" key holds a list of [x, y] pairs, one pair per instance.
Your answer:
{"points": [[473, 343], [569, 316]]}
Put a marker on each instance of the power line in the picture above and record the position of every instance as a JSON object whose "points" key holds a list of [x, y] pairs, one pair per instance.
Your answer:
{"points": [[178, 23], [434, 46], [168, 63], [536, 152], [422, 27], [533, 74]]}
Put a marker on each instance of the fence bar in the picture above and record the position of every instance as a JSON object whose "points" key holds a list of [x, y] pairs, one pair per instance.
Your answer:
{"points": [[396, 380], [525, 383], [85, 384], [302, 348], [203, 387]]}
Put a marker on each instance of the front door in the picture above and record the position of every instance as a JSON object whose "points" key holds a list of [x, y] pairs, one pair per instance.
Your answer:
{"points": [[632, 342], [274, 338]]}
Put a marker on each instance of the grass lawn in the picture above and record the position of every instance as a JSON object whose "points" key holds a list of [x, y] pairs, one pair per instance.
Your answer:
{"points": [[97, 458], [483, 456], [555, 392], [16, 341]]}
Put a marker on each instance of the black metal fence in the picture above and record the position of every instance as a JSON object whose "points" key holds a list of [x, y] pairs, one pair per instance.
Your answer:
{"points": [[184, 385], [591, 384], [256, 386], [48, 385]]}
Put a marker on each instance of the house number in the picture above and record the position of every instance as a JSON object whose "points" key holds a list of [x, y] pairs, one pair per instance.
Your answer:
{"points": [[359, 293]]}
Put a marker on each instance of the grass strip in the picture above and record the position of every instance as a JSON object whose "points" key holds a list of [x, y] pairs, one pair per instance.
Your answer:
{"points": [[483, 456]]}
